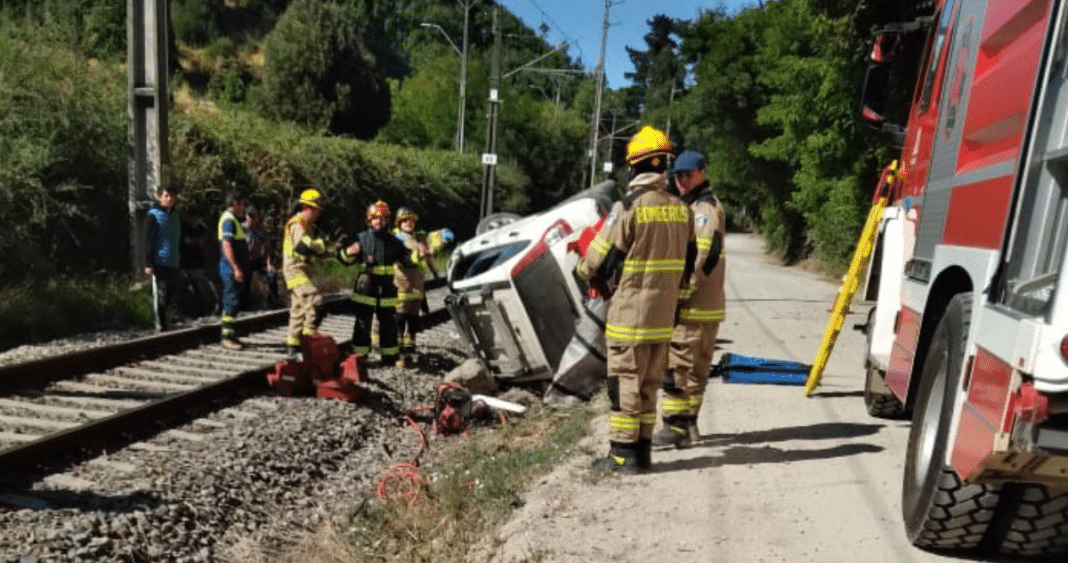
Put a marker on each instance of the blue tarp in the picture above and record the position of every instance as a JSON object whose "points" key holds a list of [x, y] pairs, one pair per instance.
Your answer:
{"points": [[736, 368]]}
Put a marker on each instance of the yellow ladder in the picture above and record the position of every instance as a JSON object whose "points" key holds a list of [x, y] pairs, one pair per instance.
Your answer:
{"points": [[850, 283]]}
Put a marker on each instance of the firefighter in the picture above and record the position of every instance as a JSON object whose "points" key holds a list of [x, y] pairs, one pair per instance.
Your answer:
{"points": [[233, 265], [374, 294], [409, 281], [299, 246], [647, 244], [701, 309]]}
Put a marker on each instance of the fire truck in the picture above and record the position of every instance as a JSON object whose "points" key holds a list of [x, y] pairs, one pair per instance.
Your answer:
{"points": [[969, 333]]}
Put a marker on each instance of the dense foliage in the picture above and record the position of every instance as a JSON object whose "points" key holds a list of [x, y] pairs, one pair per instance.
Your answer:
{"points": [[771, 99], [62, 159], [361, 98], [319, 74]]}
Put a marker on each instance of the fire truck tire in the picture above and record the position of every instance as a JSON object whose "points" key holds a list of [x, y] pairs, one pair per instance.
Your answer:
{"points": [[880, 401], [940, 511], [1036, 524]]}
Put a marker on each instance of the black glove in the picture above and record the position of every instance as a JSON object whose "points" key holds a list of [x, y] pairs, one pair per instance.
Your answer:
{"points": [[601, 286]]}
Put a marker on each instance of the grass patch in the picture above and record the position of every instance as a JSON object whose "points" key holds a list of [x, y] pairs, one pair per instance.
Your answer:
{"points": [[62, 306], [473, 485]]}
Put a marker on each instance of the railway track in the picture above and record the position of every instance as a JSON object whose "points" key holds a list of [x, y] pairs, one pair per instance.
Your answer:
{"points": [[59, 410]]}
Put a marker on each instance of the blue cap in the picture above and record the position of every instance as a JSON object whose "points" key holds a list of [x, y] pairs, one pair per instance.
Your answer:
{"points": [[689, 160]]}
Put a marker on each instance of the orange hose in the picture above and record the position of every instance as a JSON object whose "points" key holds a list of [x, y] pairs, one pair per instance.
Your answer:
{"points": [[404, 481]]}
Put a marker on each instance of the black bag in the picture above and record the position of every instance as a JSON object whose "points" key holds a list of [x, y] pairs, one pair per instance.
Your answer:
{"points": [[736, 368]]}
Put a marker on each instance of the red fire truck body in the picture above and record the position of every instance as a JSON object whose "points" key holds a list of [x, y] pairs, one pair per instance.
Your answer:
{"points": [[970, 333]]}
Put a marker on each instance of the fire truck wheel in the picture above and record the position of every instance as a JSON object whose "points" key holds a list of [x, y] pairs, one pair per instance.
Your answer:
{"points": [[1036, 523], [940, 511], [881, 402]]}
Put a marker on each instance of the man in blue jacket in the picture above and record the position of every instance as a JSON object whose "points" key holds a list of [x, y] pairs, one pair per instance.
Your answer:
{"points": [[163, 234]]}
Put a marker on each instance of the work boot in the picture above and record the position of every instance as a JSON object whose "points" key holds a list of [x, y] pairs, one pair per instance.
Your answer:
{"points": [[231, 343], [622, 459], [691, 429], [645, 454], [673, 433], [401, 364]]}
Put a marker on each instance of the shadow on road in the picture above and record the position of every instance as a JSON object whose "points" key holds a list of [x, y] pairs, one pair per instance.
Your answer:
{"points": [[820, 431], [746, 455], [737, 453]]}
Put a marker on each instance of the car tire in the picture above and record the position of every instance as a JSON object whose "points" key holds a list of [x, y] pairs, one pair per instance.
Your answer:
{"points": [[495, 221]]}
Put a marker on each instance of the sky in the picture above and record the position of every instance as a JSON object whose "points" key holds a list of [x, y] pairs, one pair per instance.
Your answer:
{"points": [[580, 23]]}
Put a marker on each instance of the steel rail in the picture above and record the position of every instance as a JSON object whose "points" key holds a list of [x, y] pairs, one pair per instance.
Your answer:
{"points": [[122, 427]]}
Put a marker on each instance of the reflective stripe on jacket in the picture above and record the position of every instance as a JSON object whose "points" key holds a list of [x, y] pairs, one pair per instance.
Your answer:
{"points": [[651, 229], [704, 300], [297, 268], [410, 281]]}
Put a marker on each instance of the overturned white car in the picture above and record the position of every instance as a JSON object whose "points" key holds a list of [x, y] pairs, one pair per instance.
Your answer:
{"points": [[513, 292]]}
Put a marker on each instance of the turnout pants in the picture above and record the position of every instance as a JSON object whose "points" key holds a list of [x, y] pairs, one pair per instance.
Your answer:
{"points": [[367, 308], [689, 363], [305, 312], [634, 376], [408, 323]]}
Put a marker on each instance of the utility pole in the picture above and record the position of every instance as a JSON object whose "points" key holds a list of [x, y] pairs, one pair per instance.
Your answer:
{"points": [[671, 105], [463, 77], [147, 99], [489, 158], [595, 128]]}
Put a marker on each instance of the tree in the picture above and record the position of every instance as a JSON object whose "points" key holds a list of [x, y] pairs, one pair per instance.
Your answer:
{"points": [[718, 115], [805, 54], [424, 108], [547, 143], [659, 72], [319, 74]]}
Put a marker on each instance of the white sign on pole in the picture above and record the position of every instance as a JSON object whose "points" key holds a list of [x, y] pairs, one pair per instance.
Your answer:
{"points": [[489, 159], [607, 167]]}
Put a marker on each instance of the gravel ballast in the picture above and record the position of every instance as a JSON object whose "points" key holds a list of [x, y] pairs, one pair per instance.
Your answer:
{"points": [[257, 473]]}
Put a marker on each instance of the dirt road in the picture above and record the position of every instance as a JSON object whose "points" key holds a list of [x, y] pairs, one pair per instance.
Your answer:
{"points": [[776, 477]]}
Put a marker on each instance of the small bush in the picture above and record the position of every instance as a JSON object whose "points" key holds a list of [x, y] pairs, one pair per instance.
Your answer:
{"points": [[481, 481], [35, 312]]}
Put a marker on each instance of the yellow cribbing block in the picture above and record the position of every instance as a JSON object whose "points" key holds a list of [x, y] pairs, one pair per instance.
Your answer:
{"points": [[845, 294]]}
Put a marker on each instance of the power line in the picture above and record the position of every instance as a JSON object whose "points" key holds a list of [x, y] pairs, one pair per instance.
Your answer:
{"points": [[546, 16], [567, 37]]}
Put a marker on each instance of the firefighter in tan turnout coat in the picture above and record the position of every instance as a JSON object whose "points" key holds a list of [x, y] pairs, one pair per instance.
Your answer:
{"points": [[299, 247], [647, 242], [411, 299], [702, 307]]}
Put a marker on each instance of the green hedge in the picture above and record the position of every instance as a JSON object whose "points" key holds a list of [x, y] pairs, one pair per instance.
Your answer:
{"points": [[212, 152]]}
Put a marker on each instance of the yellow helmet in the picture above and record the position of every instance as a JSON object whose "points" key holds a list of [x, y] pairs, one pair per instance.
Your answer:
{"points": [[404, 214], [646, 143], [312, 198]]}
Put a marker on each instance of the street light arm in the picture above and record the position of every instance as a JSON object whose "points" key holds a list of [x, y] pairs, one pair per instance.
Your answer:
{"points": [[447, 38], [532, 61]]}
